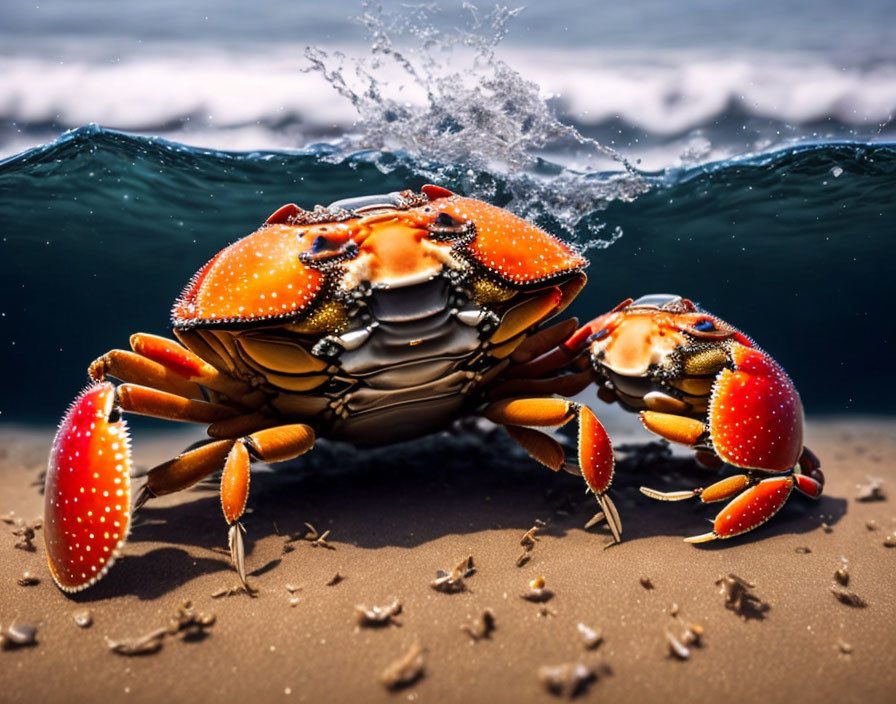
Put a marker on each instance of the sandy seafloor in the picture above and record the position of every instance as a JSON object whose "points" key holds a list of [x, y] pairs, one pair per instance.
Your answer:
{"points": [[398, 515]]}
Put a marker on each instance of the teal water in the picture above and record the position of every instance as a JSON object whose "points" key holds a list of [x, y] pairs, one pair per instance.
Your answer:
{"points": [[100, 231]]}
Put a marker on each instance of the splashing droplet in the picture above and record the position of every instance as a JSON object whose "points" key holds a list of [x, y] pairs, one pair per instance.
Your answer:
{"points": [[440, 95]]}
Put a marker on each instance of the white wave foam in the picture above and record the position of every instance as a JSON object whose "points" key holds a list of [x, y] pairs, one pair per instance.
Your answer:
{"points": [[229, 99], [677, 92]]}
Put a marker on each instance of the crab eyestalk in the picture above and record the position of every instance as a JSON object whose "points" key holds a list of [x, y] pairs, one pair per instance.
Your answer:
{"points": [[87, 493]]}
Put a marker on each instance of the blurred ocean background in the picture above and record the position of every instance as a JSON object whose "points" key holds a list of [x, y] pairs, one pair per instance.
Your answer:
{"points": [[740, 154]]}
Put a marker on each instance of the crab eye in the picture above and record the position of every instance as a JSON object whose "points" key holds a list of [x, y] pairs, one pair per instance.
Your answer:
{"points": [[324, 244], [446, 227], [705, 325], [599, 335], [325, 250], [445, 220]]}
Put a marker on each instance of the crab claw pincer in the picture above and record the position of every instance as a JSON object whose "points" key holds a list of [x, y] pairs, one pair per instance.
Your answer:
{"points": [[87, 491]]}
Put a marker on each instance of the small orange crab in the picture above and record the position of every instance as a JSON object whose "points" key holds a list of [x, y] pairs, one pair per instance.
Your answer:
{"points": [[383, 318]]}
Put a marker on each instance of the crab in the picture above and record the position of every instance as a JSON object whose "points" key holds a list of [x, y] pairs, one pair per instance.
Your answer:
{"points": [[383, 318]]}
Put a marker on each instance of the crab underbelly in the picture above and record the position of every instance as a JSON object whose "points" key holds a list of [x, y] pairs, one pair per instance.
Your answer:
{"points": [[409, 364], [410, 377], [387, 420]]}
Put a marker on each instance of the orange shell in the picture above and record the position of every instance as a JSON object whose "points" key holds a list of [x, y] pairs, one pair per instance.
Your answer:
{"points": [[87, 491], [596, 457], [261, 276], [510, 247], [755, 414], [258, 277]]}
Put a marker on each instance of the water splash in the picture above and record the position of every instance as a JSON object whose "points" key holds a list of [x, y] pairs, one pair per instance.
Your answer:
{"points": [[441, 95]]}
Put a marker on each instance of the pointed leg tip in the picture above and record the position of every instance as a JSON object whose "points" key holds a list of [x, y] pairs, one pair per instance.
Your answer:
{"points": [[668, 495], [704, 538], [238, 552], [144, 494], [612, 516], [652, 493], [595, 519]]}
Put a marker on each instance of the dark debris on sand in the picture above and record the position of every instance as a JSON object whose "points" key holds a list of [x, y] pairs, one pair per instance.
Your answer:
{"points": [[482, 626], [740, 599], [453, 581], [186, 622], [569, 680], [25, 532], [537, 591], [848, 597], [871, 491], [378, 615]]}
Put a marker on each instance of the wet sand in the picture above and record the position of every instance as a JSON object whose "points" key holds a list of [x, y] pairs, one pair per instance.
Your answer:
{"points": [[398, 515]]}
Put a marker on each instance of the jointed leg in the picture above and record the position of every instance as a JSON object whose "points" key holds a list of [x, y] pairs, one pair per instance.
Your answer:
{"points": [[88, 486], [161, 404], [752, 499], [130, 366], [595, 453], [166, 365], [177, 358], [275, 444]]}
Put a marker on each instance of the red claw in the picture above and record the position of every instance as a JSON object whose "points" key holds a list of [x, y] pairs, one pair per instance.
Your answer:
{"points": [[87, 491], [756, 418], [753, 507], [750, 509]]}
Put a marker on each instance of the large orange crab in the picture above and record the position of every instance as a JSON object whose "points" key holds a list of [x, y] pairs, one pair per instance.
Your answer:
{"points": [[383, 318]]}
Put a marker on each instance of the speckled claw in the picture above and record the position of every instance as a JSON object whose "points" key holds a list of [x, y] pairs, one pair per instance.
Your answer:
{"points": [[755, 415], [749, 509], [87, 490]]}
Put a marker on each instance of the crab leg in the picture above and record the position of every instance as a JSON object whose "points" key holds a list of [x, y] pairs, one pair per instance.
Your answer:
{"points": [[130, 366], [595, 452], [177, 358], [167, 366], [543, 341], [160, 404], [720, 491], [238, 426], [679, 429], [185, 470], [756, 501], [527, 314], [283, 442], [234, 494]]}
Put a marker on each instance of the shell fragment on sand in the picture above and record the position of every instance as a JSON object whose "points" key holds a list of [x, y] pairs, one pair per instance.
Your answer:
{"points": [[405, 670]]}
